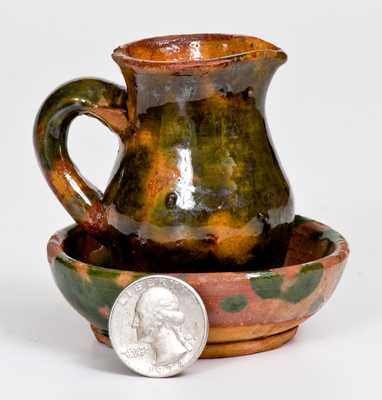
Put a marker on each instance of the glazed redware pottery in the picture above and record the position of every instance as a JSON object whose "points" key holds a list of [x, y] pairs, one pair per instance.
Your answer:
{"points": [[247, 311], [197, 185]]}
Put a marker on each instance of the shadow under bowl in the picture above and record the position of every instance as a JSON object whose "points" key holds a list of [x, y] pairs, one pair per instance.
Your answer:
{"points": [[248, 311]]}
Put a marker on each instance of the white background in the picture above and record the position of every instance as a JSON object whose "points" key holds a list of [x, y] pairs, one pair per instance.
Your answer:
{"points": [[324, 110]]}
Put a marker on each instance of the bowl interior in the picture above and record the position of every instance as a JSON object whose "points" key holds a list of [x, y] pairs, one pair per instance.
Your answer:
{"points": [[307, 244]]}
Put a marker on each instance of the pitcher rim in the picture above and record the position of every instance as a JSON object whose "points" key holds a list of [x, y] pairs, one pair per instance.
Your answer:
{"points": [[124, 57]]}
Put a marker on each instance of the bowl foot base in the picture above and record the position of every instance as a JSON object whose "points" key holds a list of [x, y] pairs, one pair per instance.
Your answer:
{"points": [[245, 347], [229, 349]]}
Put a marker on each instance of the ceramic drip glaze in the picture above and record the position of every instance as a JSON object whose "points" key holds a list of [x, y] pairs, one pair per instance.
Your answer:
{"points": [[197, 185]]}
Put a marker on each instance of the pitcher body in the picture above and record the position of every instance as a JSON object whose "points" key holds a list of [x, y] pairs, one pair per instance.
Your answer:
{"points": [[197, 185]]}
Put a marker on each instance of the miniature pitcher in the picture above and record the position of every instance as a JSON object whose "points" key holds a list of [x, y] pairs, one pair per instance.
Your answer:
{"points": [[197, 185]]}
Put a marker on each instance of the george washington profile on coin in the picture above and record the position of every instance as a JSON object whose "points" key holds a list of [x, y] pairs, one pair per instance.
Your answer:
{"points": [[158, 323]]}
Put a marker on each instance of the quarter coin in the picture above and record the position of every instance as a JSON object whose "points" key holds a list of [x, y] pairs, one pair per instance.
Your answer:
{"points": [[158, 326]]}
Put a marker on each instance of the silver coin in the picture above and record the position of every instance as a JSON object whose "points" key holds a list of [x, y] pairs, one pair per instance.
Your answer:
{"points": [[158, 326]]}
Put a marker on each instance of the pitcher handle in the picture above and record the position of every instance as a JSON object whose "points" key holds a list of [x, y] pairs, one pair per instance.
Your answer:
{"points": [[96, 98]]}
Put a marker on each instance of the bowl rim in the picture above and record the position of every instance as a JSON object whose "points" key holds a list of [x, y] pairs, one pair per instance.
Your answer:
{"points": [[339, 254]]}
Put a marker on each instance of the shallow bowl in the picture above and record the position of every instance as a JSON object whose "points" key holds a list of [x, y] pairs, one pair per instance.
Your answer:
{"points": [[248, 311]]}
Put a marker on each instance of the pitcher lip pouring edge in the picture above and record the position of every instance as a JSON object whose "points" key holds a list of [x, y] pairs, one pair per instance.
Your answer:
{"points": [[252, 48]]}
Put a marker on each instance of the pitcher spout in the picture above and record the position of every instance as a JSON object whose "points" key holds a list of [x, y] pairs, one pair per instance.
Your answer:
{"points": [[189, 68], [181, 53]]}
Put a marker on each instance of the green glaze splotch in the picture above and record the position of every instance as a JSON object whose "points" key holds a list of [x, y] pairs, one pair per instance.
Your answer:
{"points": [[92, 293], [331, 235], [197, 184], [306, 282], [269, 285], [299, 220], [87, 296], [234, 304]]}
